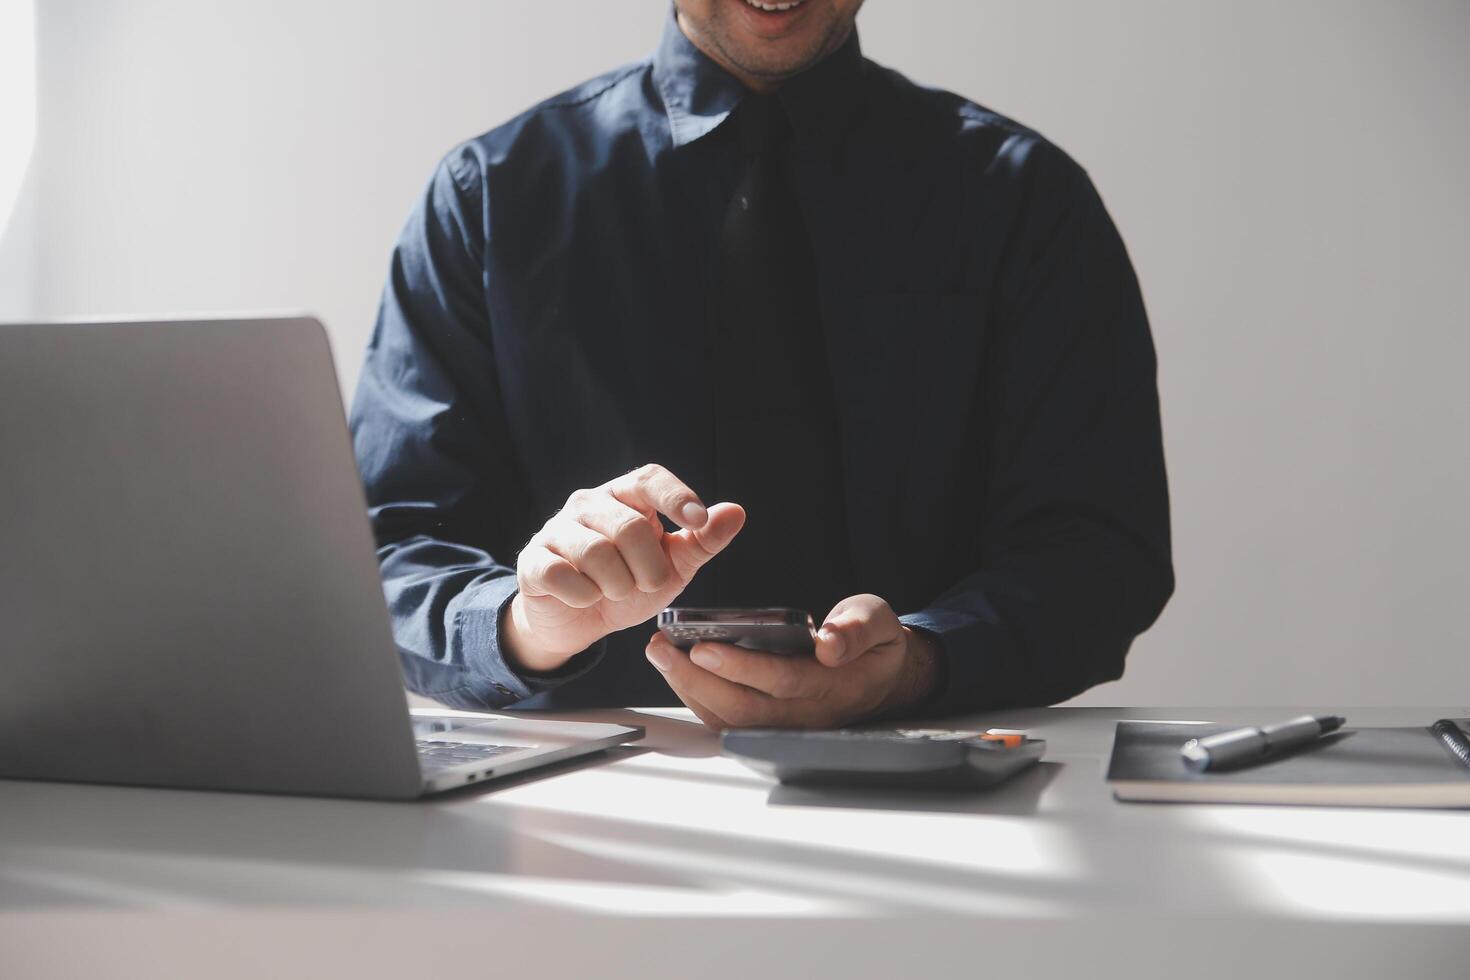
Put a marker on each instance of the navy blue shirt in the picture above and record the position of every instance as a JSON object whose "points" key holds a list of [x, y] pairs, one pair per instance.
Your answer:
{"points": [[545, 328]]}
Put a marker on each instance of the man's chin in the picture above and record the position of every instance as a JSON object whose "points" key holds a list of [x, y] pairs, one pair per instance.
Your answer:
{"points": [[776, 46], [774, 60]]}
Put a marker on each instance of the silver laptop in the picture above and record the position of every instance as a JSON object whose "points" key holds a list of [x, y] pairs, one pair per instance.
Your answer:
{"points": [[188, 591]]}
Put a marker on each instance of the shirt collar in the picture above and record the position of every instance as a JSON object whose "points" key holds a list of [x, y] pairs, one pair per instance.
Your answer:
{"points": [[698, 94]]}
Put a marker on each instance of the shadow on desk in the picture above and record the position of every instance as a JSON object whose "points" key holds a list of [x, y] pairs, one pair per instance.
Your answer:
{"points": [[668, 736], [65, 843], [500, 784], [1018, 797], [69, 844]]}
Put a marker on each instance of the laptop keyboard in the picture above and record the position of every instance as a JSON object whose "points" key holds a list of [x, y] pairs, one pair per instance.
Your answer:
{"points": [[435, 755]]}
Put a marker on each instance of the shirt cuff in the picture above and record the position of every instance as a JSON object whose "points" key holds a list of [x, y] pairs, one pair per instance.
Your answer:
{"points": [[969, 677], [476, 636]]}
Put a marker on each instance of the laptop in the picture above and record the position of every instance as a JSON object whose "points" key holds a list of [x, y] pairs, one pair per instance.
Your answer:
{"points": [[189, 594]]}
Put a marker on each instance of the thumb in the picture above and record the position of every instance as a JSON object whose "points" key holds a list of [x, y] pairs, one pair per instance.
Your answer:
{"points": [[690, 549], [856, 625]]}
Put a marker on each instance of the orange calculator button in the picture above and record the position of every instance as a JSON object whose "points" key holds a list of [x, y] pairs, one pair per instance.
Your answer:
{"points": [[1009, 739]]}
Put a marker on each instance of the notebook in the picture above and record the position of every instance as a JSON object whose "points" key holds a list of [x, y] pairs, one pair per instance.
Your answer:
{"points": [[1409, 767]]}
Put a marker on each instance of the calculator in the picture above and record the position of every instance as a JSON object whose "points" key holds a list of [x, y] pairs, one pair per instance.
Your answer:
{"points": [[921, 758]]}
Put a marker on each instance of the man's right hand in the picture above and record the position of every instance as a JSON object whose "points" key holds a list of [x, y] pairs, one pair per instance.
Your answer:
{"points": [[604, 562]]}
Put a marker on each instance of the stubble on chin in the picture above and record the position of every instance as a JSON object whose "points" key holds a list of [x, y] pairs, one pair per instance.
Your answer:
{"points": [[719, 34]]}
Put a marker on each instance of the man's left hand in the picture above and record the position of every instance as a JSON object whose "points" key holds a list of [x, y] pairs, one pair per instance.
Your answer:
{"points": [[867, 665]]}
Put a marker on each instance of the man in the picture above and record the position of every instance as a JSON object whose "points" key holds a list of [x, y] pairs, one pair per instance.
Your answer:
{"points": [[895, 331]]}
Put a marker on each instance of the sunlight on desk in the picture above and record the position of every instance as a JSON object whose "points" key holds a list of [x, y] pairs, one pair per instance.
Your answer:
{"points": [[728, 837], [625, 898], [1364, 864]]}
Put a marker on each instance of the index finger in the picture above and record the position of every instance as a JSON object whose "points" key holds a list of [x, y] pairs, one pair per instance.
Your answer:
{"points": [[653, 488], [780, 675]]}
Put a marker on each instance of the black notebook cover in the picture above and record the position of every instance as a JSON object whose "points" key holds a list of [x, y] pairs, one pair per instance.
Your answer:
{"points": [[1416, 767]]}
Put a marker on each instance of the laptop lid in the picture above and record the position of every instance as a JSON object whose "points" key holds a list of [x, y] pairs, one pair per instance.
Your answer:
{"points": [[188, 590]]}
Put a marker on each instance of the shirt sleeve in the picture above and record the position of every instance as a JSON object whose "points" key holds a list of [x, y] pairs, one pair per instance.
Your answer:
{"points": [[435, 465], [1072, 559]]}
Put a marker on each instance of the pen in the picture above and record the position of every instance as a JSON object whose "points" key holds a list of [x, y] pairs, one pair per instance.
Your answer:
{"points": [[1243, 746]]}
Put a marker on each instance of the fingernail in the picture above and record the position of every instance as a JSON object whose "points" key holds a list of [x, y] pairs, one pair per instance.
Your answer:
{"points": [[693, 514], [657, 657], [835, 642], [706, 658]]}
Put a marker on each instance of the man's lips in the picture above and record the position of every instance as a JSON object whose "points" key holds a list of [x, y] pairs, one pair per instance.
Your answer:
{"points": [[772, 19], [775, 8]]}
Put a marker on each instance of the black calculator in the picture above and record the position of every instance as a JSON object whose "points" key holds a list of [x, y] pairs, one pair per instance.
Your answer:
{"points": [[921, 758]]}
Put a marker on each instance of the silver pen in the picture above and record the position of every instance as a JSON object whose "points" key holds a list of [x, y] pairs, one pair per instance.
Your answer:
{"points": [[1243, 746]]}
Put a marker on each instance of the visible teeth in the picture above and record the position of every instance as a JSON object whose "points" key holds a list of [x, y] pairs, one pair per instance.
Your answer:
{"points": [[773, 7]]}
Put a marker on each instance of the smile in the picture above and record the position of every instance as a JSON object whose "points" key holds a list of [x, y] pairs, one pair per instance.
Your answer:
{"points": [[772, 8]]}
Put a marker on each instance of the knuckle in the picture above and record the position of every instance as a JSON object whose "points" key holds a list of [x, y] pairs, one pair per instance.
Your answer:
{"points": [[533, 563], [597, 549], [785, 683], [630, 530], [647, 472], [578, 499], [552, 581]]}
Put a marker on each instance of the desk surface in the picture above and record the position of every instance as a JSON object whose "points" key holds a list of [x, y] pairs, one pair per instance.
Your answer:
{"points": [[667, 859]]}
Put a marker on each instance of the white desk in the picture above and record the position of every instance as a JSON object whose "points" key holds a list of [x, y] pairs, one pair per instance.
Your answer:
{"points": [[667, 860]]}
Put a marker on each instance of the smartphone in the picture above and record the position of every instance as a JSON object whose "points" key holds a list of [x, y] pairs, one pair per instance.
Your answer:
{"points": [[773, 630]]}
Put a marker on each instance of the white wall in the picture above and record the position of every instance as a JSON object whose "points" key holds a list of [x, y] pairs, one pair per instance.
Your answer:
{"points": [[17, 144], [1289, 177], [18, 272]]}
